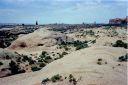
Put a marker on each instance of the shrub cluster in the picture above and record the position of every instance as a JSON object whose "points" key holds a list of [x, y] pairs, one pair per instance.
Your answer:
{"points": [[35, 68], [58, 77], [72, 79], [99, 61], [80, 45], [120, 43], [123, 58], [14, 68], [61, 55], [44, 57], [55, 78], [26, 58]]}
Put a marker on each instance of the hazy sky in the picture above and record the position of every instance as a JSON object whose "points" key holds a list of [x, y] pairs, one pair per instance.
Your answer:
{"points": [[61, 11]]}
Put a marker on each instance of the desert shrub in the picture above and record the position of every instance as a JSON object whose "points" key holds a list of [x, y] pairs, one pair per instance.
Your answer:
{"points": [[55, 78], [100, 59], [8, 57], [64, 53], [99, 63], [72, 79], [94, 41], [63, 43], [66, 48], [25, 58], [18, 59], [14, 68], [43, 54], [44, 57], [120, 43], [47, 57], [53, 54], [56, 58], [31, 61], [80, 45], [35, 68], [123, 58], [45, 80], [106, 62], [42, 64], [1, 63], [40, 44]]}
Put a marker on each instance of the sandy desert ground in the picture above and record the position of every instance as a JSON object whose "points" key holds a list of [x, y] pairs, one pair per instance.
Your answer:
{"points": [[97, 64]]}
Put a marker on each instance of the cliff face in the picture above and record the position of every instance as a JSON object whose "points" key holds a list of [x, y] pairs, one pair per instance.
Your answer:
{"points": [[119, 21]]}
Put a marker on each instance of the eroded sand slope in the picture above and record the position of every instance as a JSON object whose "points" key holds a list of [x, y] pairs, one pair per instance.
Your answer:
{"points": [[82, 63]]}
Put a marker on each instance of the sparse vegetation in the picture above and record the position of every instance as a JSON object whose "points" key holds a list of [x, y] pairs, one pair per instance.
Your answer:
{"points": [[123, 58], [58, 77], [94, 41], [44, 57], [99, 61], [45, 80], [80, 45], [55, 78], [39, 44], [26, 58], [72, 79], [64, 53], [14, 68], [120, 43], [42, 64], [35, 68]]}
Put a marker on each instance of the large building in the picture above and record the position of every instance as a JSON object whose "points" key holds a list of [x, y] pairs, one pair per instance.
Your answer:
{"points": [[119, 21]]}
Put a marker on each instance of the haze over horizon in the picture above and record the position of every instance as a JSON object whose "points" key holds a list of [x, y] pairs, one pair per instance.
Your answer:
{"points": [[61, 11]]}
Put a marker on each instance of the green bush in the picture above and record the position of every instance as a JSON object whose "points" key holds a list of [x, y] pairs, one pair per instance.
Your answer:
{"points": [[120, 43], [18, 59], [25, 58], [123, 58], [99, 63], [100, 59], [47, 57], [71, 78], [94, 41], [45, 80], [64, 53], [42, 64], [34, 68], [55, 78], [44, 57], [80, 45], [14, 68]]}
